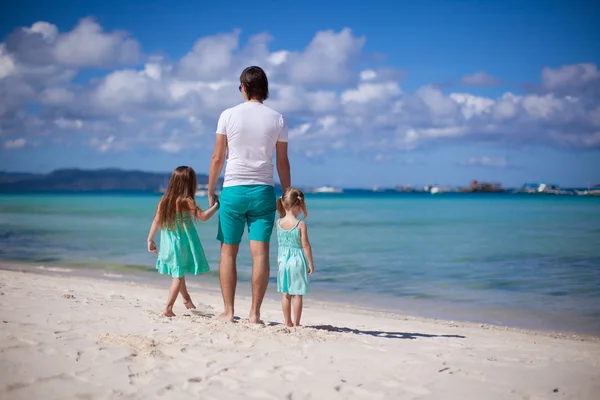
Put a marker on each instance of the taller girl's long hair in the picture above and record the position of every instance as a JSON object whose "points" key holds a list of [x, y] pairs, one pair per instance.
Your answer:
{"points": [[291, 198], [182, 187]]}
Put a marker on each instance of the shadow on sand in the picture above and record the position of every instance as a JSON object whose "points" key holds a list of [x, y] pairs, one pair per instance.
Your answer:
{"points": [[382, 334], [338, 329], [208, 314]]}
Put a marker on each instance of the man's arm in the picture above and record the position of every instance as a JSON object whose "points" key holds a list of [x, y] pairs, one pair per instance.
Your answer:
{"points": [[216, 165], [283, 165]]}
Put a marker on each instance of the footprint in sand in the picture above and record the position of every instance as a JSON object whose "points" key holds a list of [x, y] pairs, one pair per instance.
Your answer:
{"points": [[359, 391], [141, 378], [255, 394], [291, 373]]}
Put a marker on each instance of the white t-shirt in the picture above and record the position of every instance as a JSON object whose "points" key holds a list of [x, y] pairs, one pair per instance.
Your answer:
{"points": [[252, 130]]}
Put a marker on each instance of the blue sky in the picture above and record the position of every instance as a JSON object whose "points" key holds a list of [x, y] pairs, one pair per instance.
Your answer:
{"points": [[375, 93]]}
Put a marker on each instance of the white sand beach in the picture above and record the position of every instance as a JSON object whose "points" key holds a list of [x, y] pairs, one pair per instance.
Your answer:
{"points": [[67, 337]]}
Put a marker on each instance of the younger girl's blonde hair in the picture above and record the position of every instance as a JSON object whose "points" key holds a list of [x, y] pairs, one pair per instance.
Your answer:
{"points": [[291, 198]]}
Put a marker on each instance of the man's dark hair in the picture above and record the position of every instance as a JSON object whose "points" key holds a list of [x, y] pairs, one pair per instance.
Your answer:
{"points": [[255, 82]]}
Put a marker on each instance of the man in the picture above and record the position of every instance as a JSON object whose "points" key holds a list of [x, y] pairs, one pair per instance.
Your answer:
{"points": [[249, 132]]}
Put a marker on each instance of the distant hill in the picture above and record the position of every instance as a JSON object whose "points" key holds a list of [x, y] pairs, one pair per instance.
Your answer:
{"points": [[79, 180]]}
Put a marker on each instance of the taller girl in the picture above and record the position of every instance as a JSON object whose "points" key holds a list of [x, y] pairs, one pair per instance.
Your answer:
{"points": [[250, 132], [181, 252]]}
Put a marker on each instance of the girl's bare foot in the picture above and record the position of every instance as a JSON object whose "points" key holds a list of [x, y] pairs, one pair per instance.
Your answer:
{"points": [[188, 304], [169, 313], [289, 324]]}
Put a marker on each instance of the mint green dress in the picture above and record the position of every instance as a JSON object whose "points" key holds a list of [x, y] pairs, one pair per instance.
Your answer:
{"points": [[180, 251], [292, 277]]}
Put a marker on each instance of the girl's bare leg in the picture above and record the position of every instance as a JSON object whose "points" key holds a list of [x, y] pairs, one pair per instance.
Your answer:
{"points": [[287, 309], [173, 293], [297, 310], [187, 299]]}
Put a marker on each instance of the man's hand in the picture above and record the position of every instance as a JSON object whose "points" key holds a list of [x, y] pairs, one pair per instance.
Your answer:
{"points": [[212, 200]]}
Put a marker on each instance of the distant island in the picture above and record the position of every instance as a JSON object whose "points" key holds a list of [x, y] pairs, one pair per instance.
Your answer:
{"points": [[119, 180], [81, 180]]}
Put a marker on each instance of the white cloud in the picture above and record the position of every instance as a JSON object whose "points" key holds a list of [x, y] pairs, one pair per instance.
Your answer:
{"points": [[210, 57], [299, 130], [278, 58], [572, 79], [103, 145], [48, 31], [7, 64], [89, 46], [327, 60], [479, 79], [368, 75], [128, 89], [369, 92], [171, 147], [487, 162], [57, 96], [332, 97], [15, 144], [64, 123]]}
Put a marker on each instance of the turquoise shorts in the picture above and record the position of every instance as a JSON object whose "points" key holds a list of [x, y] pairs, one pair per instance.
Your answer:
{"points": [[254, 205]]}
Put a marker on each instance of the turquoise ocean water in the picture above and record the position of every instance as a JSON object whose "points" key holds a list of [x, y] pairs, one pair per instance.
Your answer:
{"points": [[531, 261]]}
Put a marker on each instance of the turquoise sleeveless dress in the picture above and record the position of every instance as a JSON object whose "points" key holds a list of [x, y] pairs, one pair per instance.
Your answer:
{"points": [[292, 277], [180, 251]]}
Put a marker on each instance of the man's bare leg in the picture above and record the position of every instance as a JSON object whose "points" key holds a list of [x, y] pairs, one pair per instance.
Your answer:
{"points": [[228, 278], [260, 277]]}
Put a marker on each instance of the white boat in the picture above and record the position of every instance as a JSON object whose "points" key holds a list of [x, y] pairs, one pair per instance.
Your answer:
{"points": [[435, 189], [543, 188], [327, 189], [589, 192], [201, 191], [552, 189]]}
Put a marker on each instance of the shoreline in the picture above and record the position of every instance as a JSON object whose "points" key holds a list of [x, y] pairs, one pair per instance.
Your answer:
{"points": [[421, 309], [243, 292], [83, 337]]}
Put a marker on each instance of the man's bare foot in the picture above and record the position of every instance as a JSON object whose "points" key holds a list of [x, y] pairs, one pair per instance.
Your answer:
{"points": [[168, 313], [255, 319], [226, 317], [188, 304]]}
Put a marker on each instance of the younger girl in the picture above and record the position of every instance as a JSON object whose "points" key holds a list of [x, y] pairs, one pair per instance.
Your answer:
{"points": [[181, 252], [295, 254]]}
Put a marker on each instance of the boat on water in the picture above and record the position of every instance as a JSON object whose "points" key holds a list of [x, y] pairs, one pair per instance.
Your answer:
{"points": [[201, 191], [528, 188], [543, 188], [484, 187], [326, 189], [437, 189], [589, 191]]}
